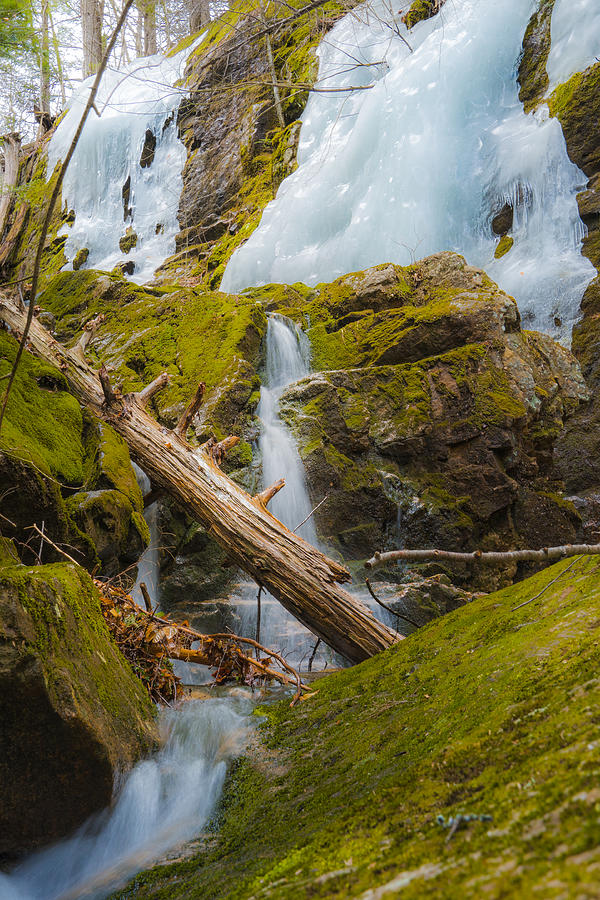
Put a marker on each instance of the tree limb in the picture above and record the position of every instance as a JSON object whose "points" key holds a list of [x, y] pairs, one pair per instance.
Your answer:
{"points": [[545, 554]]}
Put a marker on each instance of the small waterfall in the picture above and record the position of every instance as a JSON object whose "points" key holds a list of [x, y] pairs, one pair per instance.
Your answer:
{"points": [[164, 801], [287, 360], [148, 570], [125, 175]]}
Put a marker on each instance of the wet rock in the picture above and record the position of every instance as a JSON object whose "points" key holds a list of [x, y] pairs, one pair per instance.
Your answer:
{"points": [[80, 258], [148, 150], [74, 716], [532, 75], [128, 241], [503, 220], [421, 599], [434, 417]]}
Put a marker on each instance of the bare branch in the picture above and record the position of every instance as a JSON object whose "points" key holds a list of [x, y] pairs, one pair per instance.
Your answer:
{"points": [[190, 411], [161, 381], [545, 554]]}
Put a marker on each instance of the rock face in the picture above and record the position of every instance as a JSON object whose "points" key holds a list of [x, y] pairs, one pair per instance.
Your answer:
{"points": [[74, 716], [63, 470], [432, 418]]}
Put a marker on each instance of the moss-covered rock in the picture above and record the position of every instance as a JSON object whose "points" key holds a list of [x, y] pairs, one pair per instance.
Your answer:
{"points": [[433, 416], [80, 258], [74, 715], [127, 242], [51, 450], [488, 713], [420, 10], [532, 75]]}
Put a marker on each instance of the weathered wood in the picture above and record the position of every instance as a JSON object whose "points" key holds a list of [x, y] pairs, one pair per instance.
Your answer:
{"points": [[545, 554], [12, 145], [190, 411], [11, 241], [302, 578]]}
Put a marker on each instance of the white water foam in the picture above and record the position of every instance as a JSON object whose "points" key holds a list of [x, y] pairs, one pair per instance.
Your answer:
{"points": [[165, 801], [421, 161], [138, 99]]}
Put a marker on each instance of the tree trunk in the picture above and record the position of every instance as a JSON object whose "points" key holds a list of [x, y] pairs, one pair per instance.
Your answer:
{"points": [[11, 144], [91, 24], [45, 60], [305, 581], [199, 14], [147, 9]]}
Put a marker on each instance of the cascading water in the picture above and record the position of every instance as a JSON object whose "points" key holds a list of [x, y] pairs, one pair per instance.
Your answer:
{"points": [[125, 175], [164, 801], [148, 572], [287, 360], [420, 160]]}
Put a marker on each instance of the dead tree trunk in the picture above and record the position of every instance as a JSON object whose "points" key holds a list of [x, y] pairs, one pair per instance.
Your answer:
{"points": [[305, 581], [8, 182]]}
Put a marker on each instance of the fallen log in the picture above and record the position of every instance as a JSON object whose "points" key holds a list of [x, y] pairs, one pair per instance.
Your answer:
{"points": [[304, 580], [493, 558]]}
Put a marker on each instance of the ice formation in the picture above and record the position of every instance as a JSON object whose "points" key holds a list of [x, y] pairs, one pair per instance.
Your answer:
{"points": [[421, 159], [105, 184]]}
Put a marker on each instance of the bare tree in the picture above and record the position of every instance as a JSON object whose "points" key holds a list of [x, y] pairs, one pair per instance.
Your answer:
{"points": [[199, 14], [92, 12]]}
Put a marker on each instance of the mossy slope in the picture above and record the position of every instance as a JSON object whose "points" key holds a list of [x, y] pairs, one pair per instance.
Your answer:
{"points": [[485, 712]]}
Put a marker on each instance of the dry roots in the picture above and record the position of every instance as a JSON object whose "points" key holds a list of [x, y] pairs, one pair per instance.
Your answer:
{"points": [[150, 642]]}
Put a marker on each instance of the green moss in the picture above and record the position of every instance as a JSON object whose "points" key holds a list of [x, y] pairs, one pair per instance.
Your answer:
{"points": [[128, 241], [43, 422], [486, 712], [80, 258], [576, 104], [504, 245], [532, 77], [191, 334], [72, 642], [419, 11]]}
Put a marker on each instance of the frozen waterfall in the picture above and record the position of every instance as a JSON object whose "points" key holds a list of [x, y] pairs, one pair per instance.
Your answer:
{"points": [[422, 158], [127, 166]]}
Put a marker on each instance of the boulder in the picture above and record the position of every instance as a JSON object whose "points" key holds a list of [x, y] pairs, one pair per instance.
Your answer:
{"points": [[74, 716], [433, 417]]}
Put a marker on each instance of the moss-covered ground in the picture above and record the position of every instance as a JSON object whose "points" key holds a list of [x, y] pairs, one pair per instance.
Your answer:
{"points": [[490, 711]]}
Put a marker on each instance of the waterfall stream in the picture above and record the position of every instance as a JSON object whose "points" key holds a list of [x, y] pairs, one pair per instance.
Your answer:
{"points": [[163, 802]]}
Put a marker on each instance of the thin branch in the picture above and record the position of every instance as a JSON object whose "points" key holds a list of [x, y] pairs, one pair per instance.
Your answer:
{"points": [[389, 608], [326, 497], [545, 554], [190, 411], [545, 588], [52, 544], [54, 198]]}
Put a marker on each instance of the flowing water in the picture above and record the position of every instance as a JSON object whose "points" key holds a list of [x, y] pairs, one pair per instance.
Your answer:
{"points": [[287, 361], [164, 801], [420, 160], [148, 571], [108, 184]]}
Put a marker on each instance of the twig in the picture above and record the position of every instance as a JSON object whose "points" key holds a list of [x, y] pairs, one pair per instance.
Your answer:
{"points": [[326, 497], [545, 588], [313, 654], [146, 596], [41, 542], [260, 589], [389, 608], [52, 544]]}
